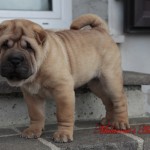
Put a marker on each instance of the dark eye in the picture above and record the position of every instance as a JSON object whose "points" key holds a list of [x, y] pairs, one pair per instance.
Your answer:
{"points": [[5, 45], [29, 47]]}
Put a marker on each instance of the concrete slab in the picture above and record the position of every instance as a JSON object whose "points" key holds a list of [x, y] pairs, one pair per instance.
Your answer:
{"points": [[7, 132], [13, 110], [143, 131], [139, 121], [86, 137], [17, 143]]}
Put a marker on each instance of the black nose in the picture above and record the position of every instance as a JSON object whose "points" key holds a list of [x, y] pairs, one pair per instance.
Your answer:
{"points": [[15, 59]]}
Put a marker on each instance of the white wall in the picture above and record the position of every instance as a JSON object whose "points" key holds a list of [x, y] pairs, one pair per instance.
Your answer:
{"points": [[136, 53]]}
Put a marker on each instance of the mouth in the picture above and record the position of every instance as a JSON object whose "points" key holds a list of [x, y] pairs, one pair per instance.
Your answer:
{"points": [[15, 74], [15, 77]]}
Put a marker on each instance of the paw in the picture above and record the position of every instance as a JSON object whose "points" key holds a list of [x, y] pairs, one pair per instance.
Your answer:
{"points": [[62, 137], [120, 125], [31, 133]]}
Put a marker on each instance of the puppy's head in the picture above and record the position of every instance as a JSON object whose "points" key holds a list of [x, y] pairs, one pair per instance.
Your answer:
{"points": [[22, 50]]}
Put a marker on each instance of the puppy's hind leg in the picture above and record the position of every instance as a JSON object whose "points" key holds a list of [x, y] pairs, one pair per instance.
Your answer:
{"points": [[96, 87], [110, 89]]}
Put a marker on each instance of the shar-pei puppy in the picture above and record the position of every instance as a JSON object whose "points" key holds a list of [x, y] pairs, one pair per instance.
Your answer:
{"points": [[46, 63]]}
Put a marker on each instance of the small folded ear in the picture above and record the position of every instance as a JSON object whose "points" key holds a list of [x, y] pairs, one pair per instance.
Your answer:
{"points": [[40, 36]]}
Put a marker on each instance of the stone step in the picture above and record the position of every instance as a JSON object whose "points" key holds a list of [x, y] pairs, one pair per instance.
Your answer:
{"points": [[135, 78], [13, 109]]}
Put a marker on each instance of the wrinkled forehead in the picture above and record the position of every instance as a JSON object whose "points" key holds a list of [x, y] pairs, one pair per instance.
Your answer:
{"points": [[15, 29], [18, 29]]}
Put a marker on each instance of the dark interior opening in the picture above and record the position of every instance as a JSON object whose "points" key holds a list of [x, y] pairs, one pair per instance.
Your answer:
{"points": [[137, 16]]}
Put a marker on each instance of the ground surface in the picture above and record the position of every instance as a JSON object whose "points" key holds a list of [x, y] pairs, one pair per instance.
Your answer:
{"points": [[87, 136]]}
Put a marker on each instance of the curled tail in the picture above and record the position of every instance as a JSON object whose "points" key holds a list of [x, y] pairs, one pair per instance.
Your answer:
{"points": [[89, 19]]}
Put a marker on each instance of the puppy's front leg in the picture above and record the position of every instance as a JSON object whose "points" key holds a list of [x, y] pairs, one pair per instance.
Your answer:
{"points": [[36, 113], [65, 105]]}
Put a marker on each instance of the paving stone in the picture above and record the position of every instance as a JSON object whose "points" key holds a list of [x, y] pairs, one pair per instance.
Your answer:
{"points": [[5, 131], [88, 140], [146, 139], [139, 120], [143, 131], [17, 143], [86, 137]]}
